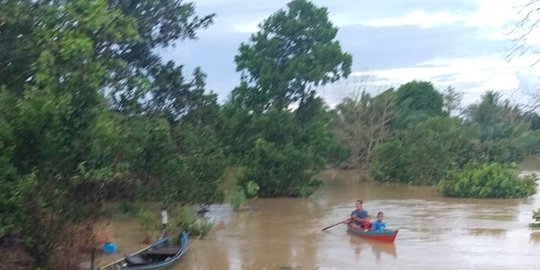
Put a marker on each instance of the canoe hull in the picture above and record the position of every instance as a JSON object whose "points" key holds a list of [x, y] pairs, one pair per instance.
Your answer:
{"points": [[168, 261], [387, 236]]}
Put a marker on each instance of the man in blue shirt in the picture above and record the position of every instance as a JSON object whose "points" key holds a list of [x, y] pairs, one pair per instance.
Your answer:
{"points": [[359, 215], [379, 225]]}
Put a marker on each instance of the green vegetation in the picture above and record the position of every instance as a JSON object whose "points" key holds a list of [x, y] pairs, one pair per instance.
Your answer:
{"points": [[491, 180], [424, 153], [90, 114], [282, 149], [239, 195], [149, 224], [536, 219], [363, 122], [411, 135], [415, 102], [187, 219], [536, 215], [237, 198]]}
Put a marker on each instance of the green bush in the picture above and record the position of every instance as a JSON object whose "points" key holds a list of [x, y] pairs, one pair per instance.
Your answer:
{"points": [[147, 220], [128, 207], [239, 195], [424, 153], [251, 189], [149, 225], [493, 180], [237, 198], [189, 220], [286, 170], [536, 215]]}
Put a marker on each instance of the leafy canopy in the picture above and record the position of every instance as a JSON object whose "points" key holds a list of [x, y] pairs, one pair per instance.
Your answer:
{"points": [[294, 51]]}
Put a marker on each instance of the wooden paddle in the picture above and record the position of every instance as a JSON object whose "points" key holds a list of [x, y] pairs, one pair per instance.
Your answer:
{"points": [[341, 222]]}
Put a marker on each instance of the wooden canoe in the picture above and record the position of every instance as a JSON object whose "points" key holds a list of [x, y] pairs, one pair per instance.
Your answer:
{"points": [[159, 255], [387, 236]]}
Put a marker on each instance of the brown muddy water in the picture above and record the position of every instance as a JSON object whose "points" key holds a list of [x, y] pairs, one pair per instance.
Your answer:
{"points": [[435, 232]]}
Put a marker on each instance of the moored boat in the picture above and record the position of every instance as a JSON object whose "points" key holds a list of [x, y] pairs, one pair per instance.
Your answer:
{"points": [[159, 255], [387, 236]]}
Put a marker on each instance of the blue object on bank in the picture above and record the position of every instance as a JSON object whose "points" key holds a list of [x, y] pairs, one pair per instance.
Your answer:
{"points": [[109, 247]]}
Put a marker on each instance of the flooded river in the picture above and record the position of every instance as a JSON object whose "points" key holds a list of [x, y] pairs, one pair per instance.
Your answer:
{"points": [[435, 232]]}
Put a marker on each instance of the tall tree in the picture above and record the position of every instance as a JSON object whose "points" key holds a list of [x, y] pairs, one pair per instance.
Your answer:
{"points": [[415, 102], [293, 52], [361, 124], [160, 23], [452, 102]]}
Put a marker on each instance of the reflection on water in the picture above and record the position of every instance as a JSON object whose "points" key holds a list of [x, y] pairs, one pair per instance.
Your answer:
{"points": [[377, 248], [535, 236], [487, 232], [435, 232]]}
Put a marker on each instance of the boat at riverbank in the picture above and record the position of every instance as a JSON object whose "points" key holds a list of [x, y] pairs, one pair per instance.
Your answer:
{"points": [[387, 236], [159, 255]]}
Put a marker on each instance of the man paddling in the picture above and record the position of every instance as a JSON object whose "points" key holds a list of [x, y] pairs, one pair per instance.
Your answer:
{"points": [[358, 216]]}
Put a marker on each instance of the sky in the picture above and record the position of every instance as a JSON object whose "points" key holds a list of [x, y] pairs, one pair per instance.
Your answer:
{"points": [[462, 44]]}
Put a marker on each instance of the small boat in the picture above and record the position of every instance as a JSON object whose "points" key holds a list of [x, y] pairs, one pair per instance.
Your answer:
{"points": [[159, 255], [387, 236]]}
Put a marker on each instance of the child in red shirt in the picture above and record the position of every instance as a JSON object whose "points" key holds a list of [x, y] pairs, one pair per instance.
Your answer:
{"points": [[366, 224]]}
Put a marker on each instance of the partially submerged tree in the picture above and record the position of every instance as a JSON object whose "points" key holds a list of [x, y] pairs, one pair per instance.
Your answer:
{"points": [[294, 51]]}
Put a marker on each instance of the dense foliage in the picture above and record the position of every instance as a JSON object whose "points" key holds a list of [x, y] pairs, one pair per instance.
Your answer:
{"points": [[415, 102], [282, 148], [491, 180], [428, 143], [536, 215], [424, 153], [90, 113]]}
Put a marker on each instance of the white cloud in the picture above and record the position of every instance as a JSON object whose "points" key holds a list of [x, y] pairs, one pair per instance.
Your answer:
{"points": [[493, 13], [472, 76], [419, 18], [495, 17]]}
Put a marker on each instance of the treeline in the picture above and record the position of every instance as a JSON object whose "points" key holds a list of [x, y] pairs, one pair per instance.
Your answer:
{"points": [[417, 135], [90, 114]]}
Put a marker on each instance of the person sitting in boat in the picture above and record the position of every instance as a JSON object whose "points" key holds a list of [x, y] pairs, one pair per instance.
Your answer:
{"points": [[359, 214], [379, 225], [366, 224], [164, 221]]}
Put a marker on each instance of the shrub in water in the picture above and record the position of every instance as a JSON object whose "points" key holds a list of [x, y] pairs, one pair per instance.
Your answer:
{"points": [[493, 180], [189, 220]]}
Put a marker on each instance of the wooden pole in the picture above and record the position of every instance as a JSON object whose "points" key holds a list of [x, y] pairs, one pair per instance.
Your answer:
{"points": [[341, 222]]}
